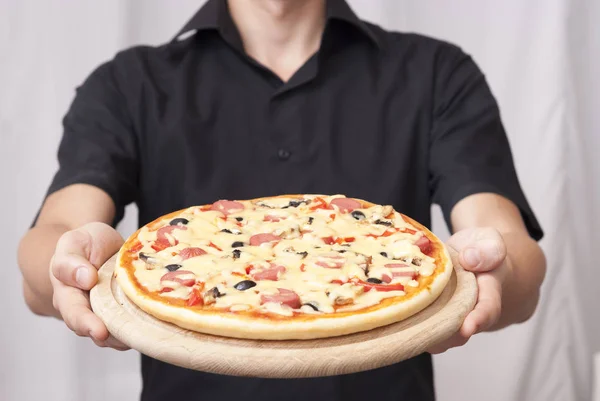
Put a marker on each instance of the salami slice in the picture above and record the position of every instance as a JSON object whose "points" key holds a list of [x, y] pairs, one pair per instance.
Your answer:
{"points": [[424, 244], [285, 297], [183, 277], [272, 273], [331, 261], [227, 207], [258, 239], [165, 238], [395, 265], [346, 204], [191, 252]]}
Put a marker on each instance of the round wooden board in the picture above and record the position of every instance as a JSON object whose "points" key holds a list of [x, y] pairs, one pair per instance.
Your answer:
{"points": [[284, 359]]}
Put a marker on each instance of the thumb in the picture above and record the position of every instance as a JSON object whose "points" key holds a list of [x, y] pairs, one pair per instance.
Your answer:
{"points": [[79, 253], [480, 249]]}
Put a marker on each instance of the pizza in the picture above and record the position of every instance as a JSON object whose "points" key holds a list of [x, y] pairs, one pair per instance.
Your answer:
{"points": [[284, 267]]}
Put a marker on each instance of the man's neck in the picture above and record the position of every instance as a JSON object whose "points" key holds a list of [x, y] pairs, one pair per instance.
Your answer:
{"points": [[280, 34]]}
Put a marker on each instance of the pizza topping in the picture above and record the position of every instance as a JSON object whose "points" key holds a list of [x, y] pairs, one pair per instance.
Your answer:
{"points": [[296, 203], [195, 297], [273, 218], [304, 254], [210, 296], [405, 273], [424, 244], [258, 239], [284, 297], [380, 287], [331, 261], [343, 301], [147, 259], [191, 252], [244, 285], [346, 204], [183, 277], [384, 222], [136, 248], [358, 215], [272, 273], [165, 238], [227, 207], [332, 253], [180, 221], [311, 305], [173, 267]]}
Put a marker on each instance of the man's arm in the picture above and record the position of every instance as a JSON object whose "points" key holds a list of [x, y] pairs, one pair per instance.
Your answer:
{"points": [[63, 211], [492, 241], [525, 264]]}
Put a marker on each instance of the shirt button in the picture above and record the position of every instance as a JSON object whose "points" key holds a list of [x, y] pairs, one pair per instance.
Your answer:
{"points": [[283, 154]]}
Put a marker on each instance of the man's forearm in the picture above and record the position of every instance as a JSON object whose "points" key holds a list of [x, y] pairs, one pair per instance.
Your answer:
{"points": [[35, 251], [521, 290]]}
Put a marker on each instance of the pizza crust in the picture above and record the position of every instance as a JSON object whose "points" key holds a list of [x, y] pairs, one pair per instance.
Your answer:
{"points": [[247, 326]]}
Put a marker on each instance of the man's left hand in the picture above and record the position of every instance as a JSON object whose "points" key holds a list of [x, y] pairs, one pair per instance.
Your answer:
{"points": [[483, 252]]}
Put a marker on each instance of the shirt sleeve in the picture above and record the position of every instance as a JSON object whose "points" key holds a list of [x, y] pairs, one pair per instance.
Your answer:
{"points": [[98, 146], [469, 148]]}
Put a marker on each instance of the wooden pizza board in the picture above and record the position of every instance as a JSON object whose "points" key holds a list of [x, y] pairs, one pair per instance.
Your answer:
{"points": [[284, 359]]}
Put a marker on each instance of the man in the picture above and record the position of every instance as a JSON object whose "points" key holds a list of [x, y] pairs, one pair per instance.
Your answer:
{"points": [[272, 97]]}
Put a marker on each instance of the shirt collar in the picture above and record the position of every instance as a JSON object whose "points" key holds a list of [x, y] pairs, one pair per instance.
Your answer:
{"points": [[214, 15]]}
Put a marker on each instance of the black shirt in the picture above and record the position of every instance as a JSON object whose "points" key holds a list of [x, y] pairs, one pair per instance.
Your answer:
{"points": [[390, 117]]}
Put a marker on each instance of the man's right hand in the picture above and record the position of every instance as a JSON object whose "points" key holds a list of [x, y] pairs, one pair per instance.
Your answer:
{"points": [[74, 271]]}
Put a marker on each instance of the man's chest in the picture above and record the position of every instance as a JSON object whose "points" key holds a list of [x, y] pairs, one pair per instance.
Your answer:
{"points": [[250, 138]]}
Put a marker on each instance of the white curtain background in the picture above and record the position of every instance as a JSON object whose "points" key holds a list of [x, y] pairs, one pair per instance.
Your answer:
{"points": [[542, 59]]}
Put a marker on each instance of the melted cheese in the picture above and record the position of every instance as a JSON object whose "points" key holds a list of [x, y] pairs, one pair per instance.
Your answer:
{"points": [[324, 253]]}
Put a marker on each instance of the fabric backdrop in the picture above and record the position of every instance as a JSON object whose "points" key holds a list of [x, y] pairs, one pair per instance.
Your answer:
{"points": [[541, 58]]}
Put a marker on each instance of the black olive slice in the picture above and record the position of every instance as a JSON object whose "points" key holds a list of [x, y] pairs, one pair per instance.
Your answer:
{"points": [[237, 244], [304, 254], [312, 305], [179, 221], [226, 231], [383, 222], [310, 220], [244, 285], [236, 253], [384, 254], [173, 267], [358, 215], [239, 218], [374, 280]]}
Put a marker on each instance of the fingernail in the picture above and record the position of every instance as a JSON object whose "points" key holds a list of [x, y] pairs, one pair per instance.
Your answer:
{"points": [[472, 257], [82, 276], [92, 336]]}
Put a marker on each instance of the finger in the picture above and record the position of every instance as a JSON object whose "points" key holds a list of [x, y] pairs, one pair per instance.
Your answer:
{"points": [[74, 270], [116, 344], [483, 255], [76, 312], [96, 242], [488, 308], [107, 241], [79, 253], [457, 340]]}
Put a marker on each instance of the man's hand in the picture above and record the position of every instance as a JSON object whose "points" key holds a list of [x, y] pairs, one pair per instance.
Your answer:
{"points": [[74, 271], [483, 252]]}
